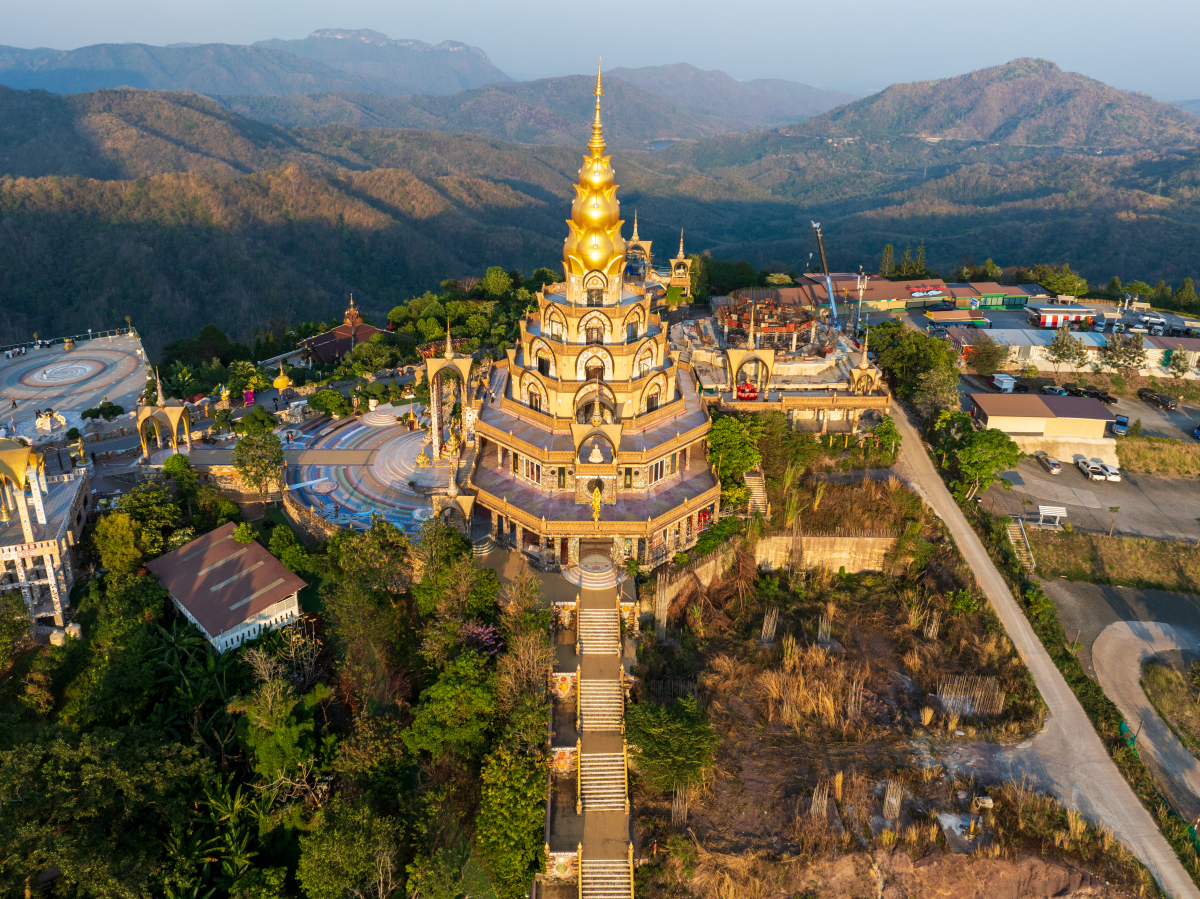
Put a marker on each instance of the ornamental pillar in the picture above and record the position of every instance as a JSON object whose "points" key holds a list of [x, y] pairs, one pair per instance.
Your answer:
{"points": [[435, 417], [494, 525]]}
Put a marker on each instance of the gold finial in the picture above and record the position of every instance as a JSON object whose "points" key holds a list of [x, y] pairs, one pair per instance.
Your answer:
{"points": [[635, 234], [862, 363], [596, 144], [351, 301], [449, 354], [680, 243]]}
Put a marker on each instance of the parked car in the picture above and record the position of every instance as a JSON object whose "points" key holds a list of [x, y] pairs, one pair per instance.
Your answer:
{"points": [[1120, 427], [1118, 328], [1091, 470], [1075, 390], [1196, 433], [1107, 398], [1021, 388], [1111, 473], [1146, 395], [947, 306], [1049, 463], [1053, 390]]}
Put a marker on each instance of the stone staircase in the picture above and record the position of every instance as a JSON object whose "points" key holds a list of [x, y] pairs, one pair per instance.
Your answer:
{"points": [[602, 705], [606, 879], [603, 781], [482, 547], [599, 632], [1016, 536], [758, 492]]}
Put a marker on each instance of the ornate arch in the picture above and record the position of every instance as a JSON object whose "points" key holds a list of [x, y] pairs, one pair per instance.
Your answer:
{"points": [[540, 349], [594, 352], [595, 392], [645, 360], [635, 316], [605, 323], [605, 392], [552, 317], [532, 386], [595, 279], [657, 386]]}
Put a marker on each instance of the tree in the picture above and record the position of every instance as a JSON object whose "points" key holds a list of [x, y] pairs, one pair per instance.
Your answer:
{"points": [[675, 744], [258, 458], [1133, 353], [508, 830], [1185, 298], [673, 297], [733, 451], [14, 626], [154, 511], [332, 402], [256, 421], [288, 550], [244, 533], [117, 539], [904, 354], [352, 852], [1180, 365], [987, 354], [496, 282], [1114, 290], [1112, 353], [1066, 350], [887, 262], [187, 481], [937, 389], [984, 456], [1065, 282], [455, 713]]}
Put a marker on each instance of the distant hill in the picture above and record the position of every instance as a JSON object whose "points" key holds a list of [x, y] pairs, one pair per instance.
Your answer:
{"points": [[401, 66], [1192, 106], [1028, 101], [549, 111], [206, 69], [758, 103]]}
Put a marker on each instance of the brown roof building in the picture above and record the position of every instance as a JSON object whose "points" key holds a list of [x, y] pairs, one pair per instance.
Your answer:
{"points": [[333, 345], [1043, 416], [231, 591]]}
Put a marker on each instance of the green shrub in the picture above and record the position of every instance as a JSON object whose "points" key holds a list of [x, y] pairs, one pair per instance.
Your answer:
{"points": [[331, 402], [674, 744]]}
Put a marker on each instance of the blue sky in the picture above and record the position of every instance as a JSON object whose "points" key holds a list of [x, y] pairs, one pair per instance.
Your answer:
{"points": [[855, 45]]}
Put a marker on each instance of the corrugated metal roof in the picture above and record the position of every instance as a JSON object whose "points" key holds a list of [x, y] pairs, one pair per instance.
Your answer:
{"points": [[223, 583], [1078, 407], [1025, 337], [1012, 405], [1189, 344]]}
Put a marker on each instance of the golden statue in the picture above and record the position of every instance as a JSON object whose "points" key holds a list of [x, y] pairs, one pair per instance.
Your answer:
{"points": [[595, 504], [224, 388]]}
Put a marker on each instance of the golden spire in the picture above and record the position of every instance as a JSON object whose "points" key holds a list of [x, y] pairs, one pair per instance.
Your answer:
{"points": [[449, 354], [680, 256], [634, 238], [596, 144]]}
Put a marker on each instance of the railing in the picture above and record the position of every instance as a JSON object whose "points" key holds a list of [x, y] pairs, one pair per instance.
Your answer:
{"points": [[579, 868], [579, 785], [578, 686], [91, 335], [1028, 548], [631, 894], [625, 759]]}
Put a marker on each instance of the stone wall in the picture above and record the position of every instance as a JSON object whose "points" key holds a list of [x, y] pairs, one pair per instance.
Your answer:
{"points": [[309, 526], [854, 551]]}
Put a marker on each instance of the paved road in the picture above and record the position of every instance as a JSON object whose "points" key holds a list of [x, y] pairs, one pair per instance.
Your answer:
{"points": [[1067, 757], [1118, 654]]}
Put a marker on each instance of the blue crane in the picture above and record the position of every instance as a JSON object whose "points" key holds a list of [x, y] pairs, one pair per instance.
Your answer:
{"points": [[828, 280]]}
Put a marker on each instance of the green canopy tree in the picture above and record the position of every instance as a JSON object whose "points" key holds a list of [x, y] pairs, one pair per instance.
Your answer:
{"points": [[675, 744], [905, 354], [154, 511], [117, 540], [455, 713], [352, 852], [1180, 364], [509, 829], [733, 451], [1065, 282], [937, 389], [987, 354], [1066, 350], [258, 458], [982, 458]]}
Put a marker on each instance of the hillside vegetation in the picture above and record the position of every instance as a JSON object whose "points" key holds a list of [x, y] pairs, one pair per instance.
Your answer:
{"points": [[400, 66], [1027, 101]]}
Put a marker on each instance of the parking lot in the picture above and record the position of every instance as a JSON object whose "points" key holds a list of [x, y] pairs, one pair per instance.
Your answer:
{"points": [[1163, 508], [1177, 424]]}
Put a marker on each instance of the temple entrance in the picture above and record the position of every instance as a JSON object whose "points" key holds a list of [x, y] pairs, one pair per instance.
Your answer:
{"points": [[594, 370]]}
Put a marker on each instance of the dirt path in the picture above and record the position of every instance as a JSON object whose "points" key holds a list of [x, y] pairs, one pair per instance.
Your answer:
{"points": [[1118, 654], [1067, 757]]}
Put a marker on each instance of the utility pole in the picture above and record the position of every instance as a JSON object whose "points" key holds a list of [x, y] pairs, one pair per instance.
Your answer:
{"points": [[861, 282]]}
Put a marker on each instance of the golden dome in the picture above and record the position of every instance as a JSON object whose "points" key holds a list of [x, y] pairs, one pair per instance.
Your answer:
{"points": [[595, 242]]}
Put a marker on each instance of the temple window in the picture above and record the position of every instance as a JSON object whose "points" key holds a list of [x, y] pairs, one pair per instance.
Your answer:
{"points": [[595, 334], [562, 478], [543, 365], [657, 471], [535, 402], [595, 296], [631, 332]]}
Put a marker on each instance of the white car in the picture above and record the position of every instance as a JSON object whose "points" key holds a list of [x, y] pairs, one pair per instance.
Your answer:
{"points": [[1111, 473], [1091, 470]]}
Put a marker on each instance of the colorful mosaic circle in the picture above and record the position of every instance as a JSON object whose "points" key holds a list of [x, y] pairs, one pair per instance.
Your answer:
{"points": [[62, 373], [323, 487]]}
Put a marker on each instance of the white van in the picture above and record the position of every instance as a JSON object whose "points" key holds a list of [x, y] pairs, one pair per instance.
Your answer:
{"points": [[1004, 383]]}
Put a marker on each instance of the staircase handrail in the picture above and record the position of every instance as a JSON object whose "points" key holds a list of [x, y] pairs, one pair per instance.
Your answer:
{"points": [[1028, 548], [625, 759], [579, 782], [631, 895], [579, 868]]}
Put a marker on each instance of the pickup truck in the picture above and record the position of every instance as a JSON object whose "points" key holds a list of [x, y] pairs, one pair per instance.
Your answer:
{"points": [[1120, 427]]}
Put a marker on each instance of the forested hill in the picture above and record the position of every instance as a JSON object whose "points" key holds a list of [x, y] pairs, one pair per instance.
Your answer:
{"points": [[405, 67], [548, 111], [1027, 101], [328, 60], [179, 213]]}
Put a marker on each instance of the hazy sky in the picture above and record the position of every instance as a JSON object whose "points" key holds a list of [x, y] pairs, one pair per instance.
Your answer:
{"points": [[855, 45]]}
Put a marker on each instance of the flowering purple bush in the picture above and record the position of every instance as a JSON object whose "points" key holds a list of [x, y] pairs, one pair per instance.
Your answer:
{"points": [[480, 637]]}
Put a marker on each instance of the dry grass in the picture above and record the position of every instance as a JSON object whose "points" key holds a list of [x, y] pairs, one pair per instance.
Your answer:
{"points": [[1123, 561], [821, 689], [1174, 700], [1159, 456]]}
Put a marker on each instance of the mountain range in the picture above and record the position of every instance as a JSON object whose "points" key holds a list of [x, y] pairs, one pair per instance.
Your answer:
{"points": [[177, 210], [1030, 102], [325, 61]]}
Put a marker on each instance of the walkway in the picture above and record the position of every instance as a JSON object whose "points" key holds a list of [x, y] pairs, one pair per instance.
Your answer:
{"points": [[589, 815], [1067, 758], [1118, 654]]}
